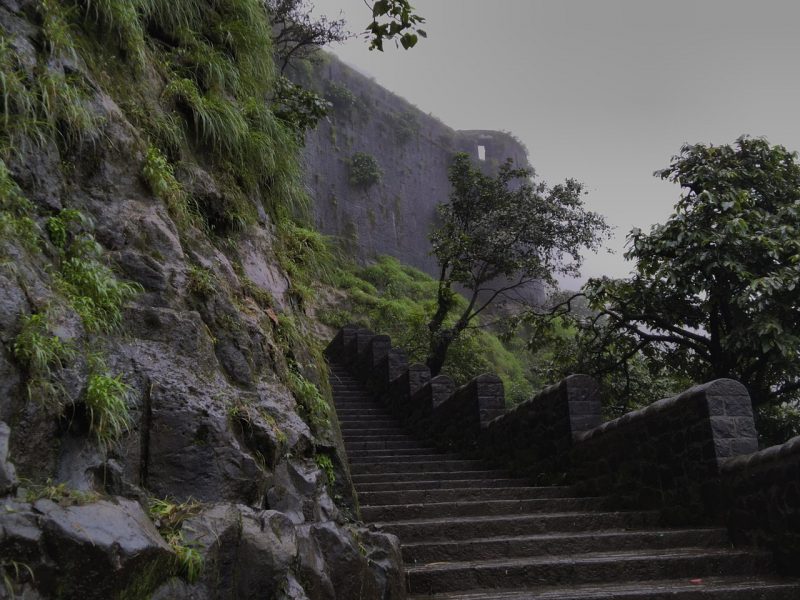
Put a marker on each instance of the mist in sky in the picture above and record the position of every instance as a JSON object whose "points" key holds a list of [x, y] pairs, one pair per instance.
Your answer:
{"points": [[603, 91]]}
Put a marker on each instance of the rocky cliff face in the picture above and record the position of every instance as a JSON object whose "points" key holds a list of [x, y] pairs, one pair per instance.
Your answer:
{"points": [[164, 430], [412, 149]]}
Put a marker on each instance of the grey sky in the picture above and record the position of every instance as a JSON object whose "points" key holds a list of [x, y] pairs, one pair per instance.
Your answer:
{"points": [[604, 91]]}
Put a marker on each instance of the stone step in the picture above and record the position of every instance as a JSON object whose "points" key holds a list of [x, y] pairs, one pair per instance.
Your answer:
{"points": [[439, 466], [458, 494], [398, 512], [606, 567], [465, 528], [369, 423], [402, 442], [437, 484], [563, 544], [710, 588], [352, 406], [426, 476], [378, 454], [350, 413], [399, 458], [377, 432]]}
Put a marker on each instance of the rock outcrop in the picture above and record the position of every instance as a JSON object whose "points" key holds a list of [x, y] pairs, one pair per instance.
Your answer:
{"points": [[204, 356]]}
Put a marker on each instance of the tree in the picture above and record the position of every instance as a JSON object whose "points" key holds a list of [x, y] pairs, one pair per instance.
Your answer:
{"points": [[394, 19], [498, 235], [715, 288], [296, 35]]}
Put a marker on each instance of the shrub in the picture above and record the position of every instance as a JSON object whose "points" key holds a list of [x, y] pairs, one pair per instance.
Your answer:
{"points": [[160, 176], [168, 517], [364, 170], [90, 286], [340, 96], [200, 281], [107, 407], [16, 212], [41, 351], [398, 300]]}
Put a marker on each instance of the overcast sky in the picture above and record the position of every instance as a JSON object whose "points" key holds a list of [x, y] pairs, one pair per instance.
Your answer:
{"points": [[605, 91]]}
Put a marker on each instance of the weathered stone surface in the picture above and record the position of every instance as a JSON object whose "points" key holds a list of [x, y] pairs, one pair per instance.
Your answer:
{"points": [[760, 498], [535, 437], [298, 490], [8, 475], [89, 551]]}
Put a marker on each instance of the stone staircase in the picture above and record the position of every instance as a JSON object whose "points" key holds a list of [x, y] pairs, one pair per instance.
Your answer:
{"points": [[470, 531]]}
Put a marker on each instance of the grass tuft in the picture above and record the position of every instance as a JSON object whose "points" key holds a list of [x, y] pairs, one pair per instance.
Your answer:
{"points": [[41, 352], [107, 404], [168, 517]]}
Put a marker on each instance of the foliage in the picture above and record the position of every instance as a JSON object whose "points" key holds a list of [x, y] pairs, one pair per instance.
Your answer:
{"points": [[60, 493], [313, 405], [562, 346], [305, 256], [200, 281], [16, 212], [12, 573], [325, 463], [300, 108], [399, 300], [364, 170], [498, 235], [405, 125], [90, 286], [777, 423], [107, 405], [41, 352], [394, 20], [168, 517], [714, 293], [296, 35], [160, 176], [340, 96]]}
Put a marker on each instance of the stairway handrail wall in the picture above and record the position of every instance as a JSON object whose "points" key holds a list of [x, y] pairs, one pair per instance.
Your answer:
{"points": [[693, 456]]}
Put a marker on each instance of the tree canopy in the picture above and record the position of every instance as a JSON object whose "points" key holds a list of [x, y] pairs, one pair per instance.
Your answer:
{"points": [[715, 288], [499, 234]]}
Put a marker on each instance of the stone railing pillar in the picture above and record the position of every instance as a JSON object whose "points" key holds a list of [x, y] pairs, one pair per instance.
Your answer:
{"points": [[336, 351], [669, 454], [460, 420], [536, 436]]}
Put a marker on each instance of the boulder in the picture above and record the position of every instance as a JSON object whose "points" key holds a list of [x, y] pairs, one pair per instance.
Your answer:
{"points": [[8, 476]]}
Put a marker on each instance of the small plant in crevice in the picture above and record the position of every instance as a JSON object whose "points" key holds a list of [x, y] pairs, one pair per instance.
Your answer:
{"points": [[340, 96], [43, 354], [364, 170], [160, 176], [168, 518], [309, 398], [91, 287], [16, 213], [14, 573], [200, 281], [60, 493], [325, 463], [106, 401]]}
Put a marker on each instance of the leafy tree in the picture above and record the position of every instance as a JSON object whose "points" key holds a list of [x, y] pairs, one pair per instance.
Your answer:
{"points": [[296, 35], [715, 289], [394, 19], [498, 235]]}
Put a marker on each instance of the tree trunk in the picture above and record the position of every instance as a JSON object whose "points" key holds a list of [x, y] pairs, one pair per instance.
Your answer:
{"points": [[440, 343]]}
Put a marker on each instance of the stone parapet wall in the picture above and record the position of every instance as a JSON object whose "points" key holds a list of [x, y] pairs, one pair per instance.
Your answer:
{"points": [[536, 436], [760, 494], [693, 457]]}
